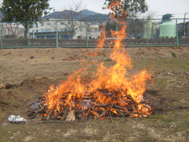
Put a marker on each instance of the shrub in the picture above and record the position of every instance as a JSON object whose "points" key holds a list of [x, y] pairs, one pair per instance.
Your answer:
{"points": [[174, 55], [9, 36]]}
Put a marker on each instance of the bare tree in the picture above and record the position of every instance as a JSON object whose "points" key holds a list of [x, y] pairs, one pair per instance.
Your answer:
{"points": [[14, 29], [135, 27], [72, 19]]}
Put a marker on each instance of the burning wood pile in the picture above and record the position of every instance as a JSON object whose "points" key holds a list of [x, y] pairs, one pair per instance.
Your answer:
{"points": [[119, 104], [108, 92]]}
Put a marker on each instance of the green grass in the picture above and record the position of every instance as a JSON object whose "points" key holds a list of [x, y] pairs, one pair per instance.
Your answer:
{"points": [[174, 55], [158, 117], [171, 47]]}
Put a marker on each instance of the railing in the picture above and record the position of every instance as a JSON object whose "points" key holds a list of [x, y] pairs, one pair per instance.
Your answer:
{"points": [[54, 33]]}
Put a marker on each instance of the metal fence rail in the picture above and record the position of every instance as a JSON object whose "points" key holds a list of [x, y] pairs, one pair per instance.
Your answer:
{"points": [[85, 33]]}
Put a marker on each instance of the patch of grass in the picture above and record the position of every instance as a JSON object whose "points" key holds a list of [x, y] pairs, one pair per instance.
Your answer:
{"points": [[162, 80], [141, 53], [184, 125], [157, 117], [171, 47], [186, 116], [5, 101], [167, 120], [108, 60], [174, 55], [147, 139], [171, 114], [84, 56]]}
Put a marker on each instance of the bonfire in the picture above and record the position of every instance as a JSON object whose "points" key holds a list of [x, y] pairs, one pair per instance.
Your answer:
{"points": [[107, 92]]}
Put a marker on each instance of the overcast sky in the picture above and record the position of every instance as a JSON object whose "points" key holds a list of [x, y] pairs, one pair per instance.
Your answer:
{"points": [[159, 7]]}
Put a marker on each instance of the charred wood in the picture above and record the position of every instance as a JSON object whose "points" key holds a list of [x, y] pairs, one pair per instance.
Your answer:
{"points": [[104, 112], [65, 113]]}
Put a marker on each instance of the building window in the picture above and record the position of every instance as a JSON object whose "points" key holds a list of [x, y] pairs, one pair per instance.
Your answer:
{"points": [[48, 30], [36, 31], [40, 36], [36, 25], [62, 29], [49, 24], [50, 36], [42, 24]]}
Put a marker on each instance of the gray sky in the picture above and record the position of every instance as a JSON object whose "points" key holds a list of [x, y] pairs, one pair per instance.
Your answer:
{"points": [[159, 7]]}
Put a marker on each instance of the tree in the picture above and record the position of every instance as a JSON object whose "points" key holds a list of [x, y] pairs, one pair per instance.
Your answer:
{"points": [[27, 11], [72, 18], [132, 7], [110, 26], [135, 27], [14, 29]]}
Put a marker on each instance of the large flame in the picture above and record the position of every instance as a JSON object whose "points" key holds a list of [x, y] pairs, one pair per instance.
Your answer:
{"points": [[112, 79]]}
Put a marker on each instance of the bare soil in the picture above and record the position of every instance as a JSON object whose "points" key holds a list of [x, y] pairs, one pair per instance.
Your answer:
{"points": [[25, 74]]}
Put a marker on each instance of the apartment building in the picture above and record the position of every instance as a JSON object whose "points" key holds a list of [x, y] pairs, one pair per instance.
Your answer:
{"points": [[65, 29]]}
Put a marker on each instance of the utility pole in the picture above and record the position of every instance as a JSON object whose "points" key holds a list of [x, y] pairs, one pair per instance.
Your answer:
{"points": [[184, 24]]}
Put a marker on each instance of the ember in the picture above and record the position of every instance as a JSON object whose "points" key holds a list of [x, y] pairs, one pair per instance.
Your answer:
{"points": [[107, 92]]}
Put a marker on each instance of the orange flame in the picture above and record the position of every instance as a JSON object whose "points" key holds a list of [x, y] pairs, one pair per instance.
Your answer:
{"points": [[113, 79]]}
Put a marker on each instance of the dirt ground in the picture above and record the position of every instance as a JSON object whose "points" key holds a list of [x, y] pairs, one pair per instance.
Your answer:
{"points": [[25, 74]]}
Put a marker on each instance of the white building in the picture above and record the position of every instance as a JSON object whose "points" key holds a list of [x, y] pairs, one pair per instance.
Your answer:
{"points": [[48, 29], [94, 31]]}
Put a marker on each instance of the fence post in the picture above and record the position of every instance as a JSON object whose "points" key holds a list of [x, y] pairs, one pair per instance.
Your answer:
{"points": [[0, 34], [177, 39], [117, 30], [147, 31], [87, 40], [56, 34], [28, 34], [116, 26]]}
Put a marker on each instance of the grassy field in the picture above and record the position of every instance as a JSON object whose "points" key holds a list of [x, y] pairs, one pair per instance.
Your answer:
{"points": [[28, 71]]}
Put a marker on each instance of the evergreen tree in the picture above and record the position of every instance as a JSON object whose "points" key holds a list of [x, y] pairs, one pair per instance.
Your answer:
{"points": [[24, 10], [132, 7]]}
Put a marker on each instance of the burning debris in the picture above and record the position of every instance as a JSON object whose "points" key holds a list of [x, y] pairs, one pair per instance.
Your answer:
{"points": [[117, 104], [107, 92]]}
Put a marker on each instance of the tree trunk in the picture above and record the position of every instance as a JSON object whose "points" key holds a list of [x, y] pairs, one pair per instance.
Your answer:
{"points": [[72, 34], [25, 30]]}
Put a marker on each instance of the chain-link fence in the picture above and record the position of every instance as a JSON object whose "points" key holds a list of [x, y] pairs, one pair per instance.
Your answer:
{"points": [[85, 33]]}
